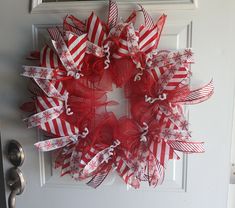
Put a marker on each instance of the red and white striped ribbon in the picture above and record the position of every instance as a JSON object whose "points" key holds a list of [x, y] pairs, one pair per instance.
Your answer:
{"points": [[74, 164], [44, 116], [98, 178], [132, 17], [160, 24], [55, 34], [99, 159], [126, 173], [147, 18], [77, 47], [155, 170], [170, 69], [95, 30], [148, 39], [113, 14], [122, 50], [71, 23], [199, 95], [49, 59], [172, 78], [87, 156], [64, 53], [172, 118], [58, 125], [163, 152], [49, 88], [187, 146], [66, 58], [67, 153]]}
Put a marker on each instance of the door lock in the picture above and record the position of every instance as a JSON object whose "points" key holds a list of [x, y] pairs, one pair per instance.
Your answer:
{"points": [[16, 183], [15, 153], [15, 178]]}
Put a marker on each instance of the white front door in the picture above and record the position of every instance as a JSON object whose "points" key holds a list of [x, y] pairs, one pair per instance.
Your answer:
{"points": [[194, 181]]}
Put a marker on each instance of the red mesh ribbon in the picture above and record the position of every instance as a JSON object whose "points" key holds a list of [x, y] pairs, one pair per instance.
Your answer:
{"points": [[79, 65]]}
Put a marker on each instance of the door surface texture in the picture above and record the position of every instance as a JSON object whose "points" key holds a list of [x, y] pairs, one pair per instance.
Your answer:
{"points": [[197, 180]]}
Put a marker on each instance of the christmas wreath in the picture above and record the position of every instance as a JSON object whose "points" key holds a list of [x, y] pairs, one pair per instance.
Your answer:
{"points": [[78, 66]]}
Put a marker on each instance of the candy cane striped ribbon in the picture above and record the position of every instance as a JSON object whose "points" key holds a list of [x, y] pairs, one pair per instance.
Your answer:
{"points": [[67, 154], [163, 152], [113, 14], [87, 156], [146, 42], [126, 173], [170, 68], [132, 17], [123, 47], [155, 171], [199, 95], [99, 159], [160, 24], [95, 30], [77, 47], [74, 164], [172, 118], [147, 18], [49, 88], [172, 78], [49, 59], [187, 146], [98, 178], [44, 116], [64, 53], [150, 36], [58, 125], [71, 23], [148, 39]]}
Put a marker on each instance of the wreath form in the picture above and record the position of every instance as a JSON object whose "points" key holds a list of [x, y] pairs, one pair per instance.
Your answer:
{"points": [[78, 67]]}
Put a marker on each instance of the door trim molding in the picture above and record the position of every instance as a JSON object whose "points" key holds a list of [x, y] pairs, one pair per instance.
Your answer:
{"points": [[39, 7], [178, 180]]}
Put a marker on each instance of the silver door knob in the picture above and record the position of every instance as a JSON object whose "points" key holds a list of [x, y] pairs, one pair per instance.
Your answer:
{"points": [[16, 183], [15, 153]]}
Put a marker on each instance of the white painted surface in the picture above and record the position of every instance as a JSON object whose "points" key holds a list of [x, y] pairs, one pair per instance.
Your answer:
{"points": [[231, 195], [200, 182]]}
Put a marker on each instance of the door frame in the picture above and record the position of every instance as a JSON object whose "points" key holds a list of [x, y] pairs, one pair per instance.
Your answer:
{"points": [[39, 7]]}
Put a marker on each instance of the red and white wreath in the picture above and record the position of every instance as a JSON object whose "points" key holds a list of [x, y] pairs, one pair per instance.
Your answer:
{"points": [[79, 65]]}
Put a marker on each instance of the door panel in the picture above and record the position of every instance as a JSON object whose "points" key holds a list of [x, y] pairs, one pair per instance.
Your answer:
{"points": [[194, 181]]}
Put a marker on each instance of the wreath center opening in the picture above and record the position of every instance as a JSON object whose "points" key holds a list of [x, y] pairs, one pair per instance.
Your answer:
{"points": [[120, 108]]}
